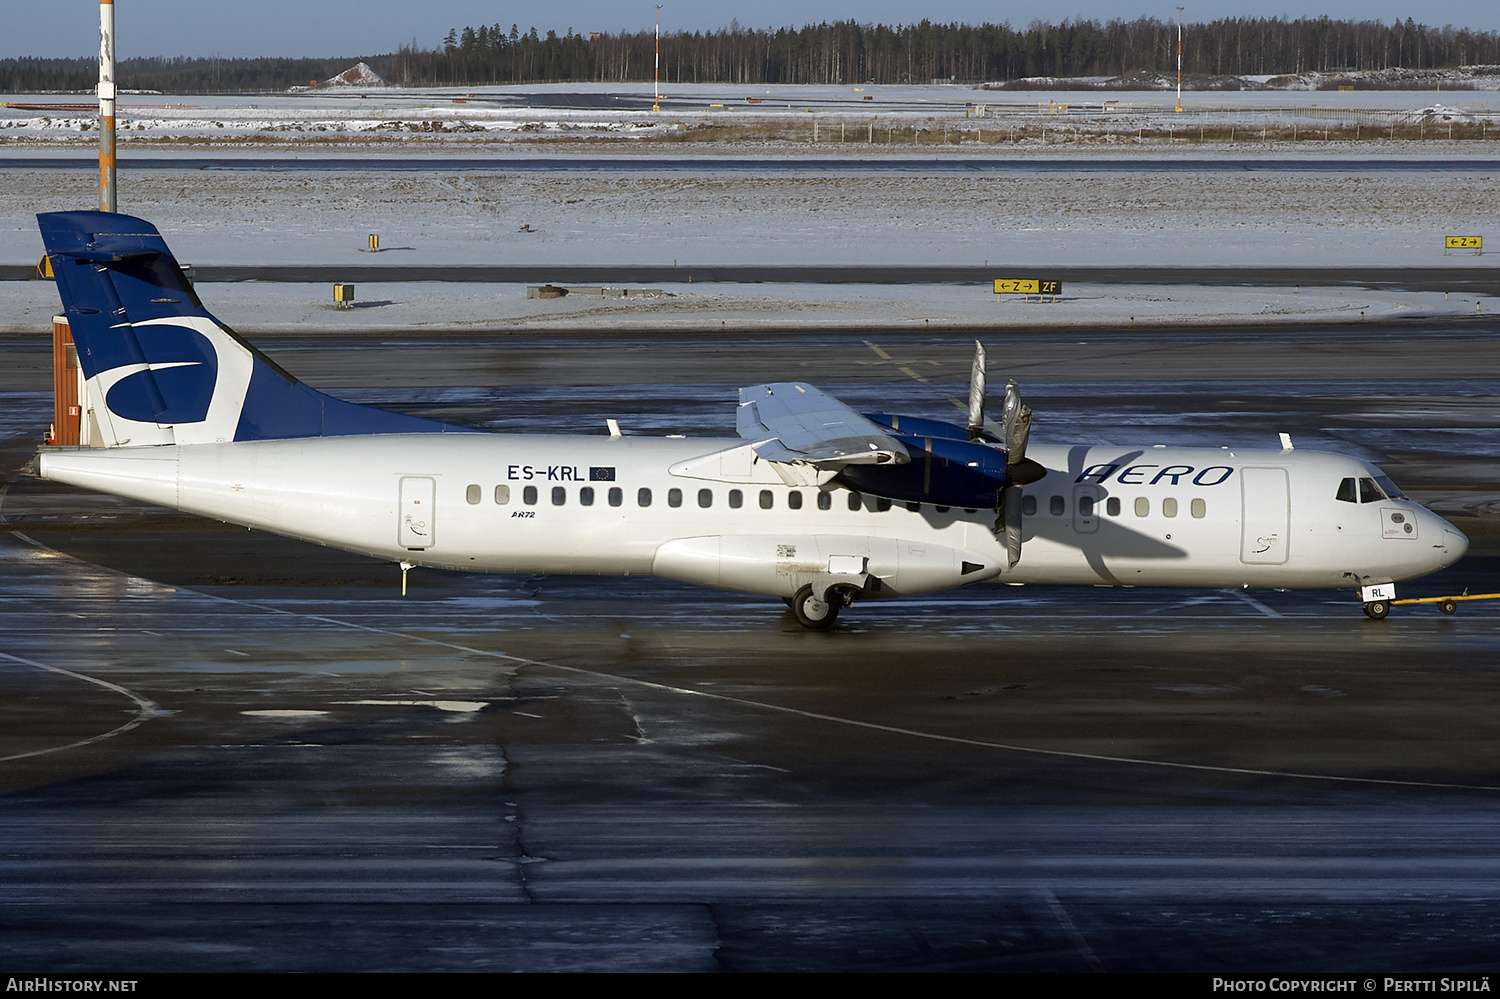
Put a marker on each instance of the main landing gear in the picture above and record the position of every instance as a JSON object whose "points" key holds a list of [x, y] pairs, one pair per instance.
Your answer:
{"points": [[817, 610], [1376, 610]]}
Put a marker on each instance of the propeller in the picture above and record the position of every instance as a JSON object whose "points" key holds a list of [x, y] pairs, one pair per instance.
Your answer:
{"points": [[1014, 432], [1015, 422]]}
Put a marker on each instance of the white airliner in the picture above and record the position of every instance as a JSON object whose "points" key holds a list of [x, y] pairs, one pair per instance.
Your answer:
{"points": [[813, 503]]}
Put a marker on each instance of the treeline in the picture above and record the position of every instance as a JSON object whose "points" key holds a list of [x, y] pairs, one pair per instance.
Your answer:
{"points": [[847, 52], [179, 75], [839, 53]]}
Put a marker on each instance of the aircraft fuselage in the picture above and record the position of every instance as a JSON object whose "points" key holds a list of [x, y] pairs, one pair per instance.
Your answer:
{"points": [[708, 512]]}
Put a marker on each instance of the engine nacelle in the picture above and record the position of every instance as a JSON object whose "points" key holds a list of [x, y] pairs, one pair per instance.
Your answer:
{"points": [[916, 426], [943, 470]]}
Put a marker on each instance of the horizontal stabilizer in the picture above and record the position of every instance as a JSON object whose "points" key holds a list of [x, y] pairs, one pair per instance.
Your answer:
{"points": [[791, 422]]}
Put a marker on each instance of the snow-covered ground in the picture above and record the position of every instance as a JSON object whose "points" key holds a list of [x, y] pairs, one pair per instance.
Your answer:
{"points": [[1459, 78], [1017, 223], [1005, 220], [271, 308], [845, 118]]}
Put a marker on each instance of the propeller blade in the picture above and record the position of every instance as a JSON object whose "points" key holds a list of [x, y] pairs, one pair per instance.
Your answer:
{"points": [[1011, 511], [1016, 432], [1016, 422], [976, 393]]}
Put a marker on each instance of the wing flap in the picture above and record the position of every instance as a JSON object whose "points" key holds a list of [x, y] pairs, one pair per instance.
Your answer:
{"points": [[794, 422]]}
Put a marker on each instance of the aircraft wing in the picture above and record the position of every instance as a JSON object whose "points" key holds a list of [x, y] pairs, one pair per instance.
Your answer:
{"points": [[792, 421]]}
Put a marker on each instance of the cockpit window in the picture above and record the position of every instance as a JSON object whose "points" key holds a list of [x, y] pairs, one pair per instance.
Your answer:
{"points": [[1369, 492], [1389, 487], [1347, 492]]}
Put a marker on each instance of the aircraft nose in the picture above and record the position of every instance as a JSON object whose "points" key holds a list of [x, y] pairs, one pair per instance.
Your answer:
{"points": [[1453, 544]]}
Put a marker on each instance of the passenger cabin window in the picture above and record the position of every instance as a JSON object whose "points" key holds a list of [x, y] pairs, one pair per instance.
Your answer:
{"points": [[502, 495], [765, 499], [1142, 506], [914, 507], [705, 498], [882, 504], [1055, 506], [643, 497], [674, 498], [474, 494], [855, 501], [559, 495], [1169, 507], [1028, 505], [1112, 506], [1085, 506], [736, 499], [794, 500], [616, 496], [825, 500], [586, 496], [528, 495], [1199, 509]]}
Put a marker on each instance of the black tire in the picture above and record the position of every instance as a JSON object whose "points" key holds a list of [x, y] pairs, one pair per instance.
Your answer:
{"points": [[1447, 606], [815, 610], [1376, 610]]}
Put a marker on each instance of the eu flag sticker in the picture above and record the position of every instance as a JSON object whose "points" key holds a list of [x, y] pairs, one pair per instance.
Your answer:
{"points": [[597, 474]]}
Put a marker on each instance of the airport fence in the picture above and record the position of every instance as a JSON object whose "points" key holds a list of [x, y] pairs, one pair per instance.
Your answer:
{"points": [[1051, 130]]}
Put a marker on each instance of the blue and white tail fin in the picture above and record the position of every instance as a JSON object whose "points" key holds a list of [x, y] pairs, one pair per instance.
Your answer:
{"points": [[162, 370]]}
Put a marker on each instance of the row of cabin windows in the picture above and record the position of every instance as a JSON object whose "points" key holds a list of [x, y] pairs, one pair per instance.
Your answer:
{"points": [[1057, 506], [615, 496]]}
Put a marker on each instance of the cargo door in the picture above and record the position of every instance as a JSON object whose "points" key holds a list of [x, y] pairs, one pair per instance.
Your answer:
{"points": [[1265, 519]]}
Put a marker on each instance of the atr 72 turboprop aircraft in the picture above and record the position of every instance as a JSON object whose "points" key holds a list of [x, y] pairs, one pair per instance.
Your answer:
{"points": [[813, 503]]}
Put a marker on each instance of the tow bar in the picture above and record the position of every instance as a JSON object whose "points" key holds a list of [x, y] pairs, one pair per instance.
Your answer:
{"points": [[1448, 604]]}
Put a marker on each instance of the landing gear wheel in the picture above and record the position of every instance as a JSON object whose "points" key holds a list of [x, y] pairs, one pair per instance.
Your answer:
{"points": [[814, 610], [1447, 606], [1376, 610]]}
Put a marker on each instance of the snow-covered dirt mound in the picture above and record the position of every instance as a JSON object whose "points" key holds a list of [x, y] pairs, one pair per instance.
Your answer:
{"points": [[358, 75], [1441, 113]]}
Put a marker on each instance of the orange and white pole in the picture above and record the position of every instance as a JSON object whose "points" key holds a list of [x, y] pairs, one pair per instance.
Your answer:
{"points": [[107, 93]]}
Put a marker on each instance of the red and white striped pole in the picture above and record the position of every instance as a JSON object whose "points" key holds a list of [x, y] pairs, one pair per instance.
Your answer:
{"points": [[1179, 58], [656, 73], [107, 92]]}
